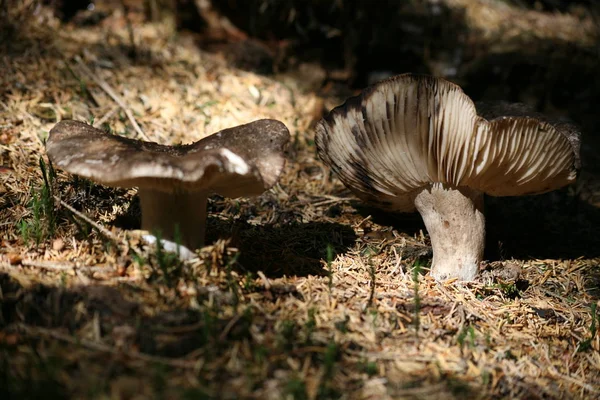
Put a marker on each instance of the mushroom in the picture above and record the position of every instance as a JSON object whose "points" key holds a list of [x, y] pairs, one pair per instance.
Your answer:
{"points": [[174, 182], [416, 142]]}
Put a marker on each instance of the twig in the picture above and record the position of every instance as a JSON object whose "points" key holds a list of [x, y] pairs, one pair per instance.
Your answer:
{"points": [[89, 344], [398, 263], [106, 116], [428, 391], [372, 289], [84, 279], [332, 201], [463, 301], [574, 381], [218, 21], [108, 234], [399, 357], [106, 87], [264, 278], [84, 89], [87, 219], [362, 222], [228, 327], [60, 266]]}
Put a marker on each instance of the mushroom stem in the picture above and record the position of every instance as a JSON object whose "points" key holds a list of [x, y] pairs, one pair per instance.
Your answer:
{"points": [[179, 215], [456, 225]]}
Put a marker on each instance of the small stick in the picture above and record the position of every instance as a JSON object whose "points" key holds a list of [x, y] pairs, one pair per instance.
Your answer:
{"points": [[373, 277], [89, 344], [218, 21], [400, 357], [106, 87], [86, 281], [60, 266], [362, 222], [331, 201], [398, 263], [264, 278], [96, 225], [106, 117], [228, 327], [87, 93], [87, 219]]}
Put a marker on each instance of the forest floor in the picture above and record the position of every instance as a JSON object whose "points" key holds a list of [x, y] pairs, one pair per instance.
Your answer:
{"points": [[302, 292]]}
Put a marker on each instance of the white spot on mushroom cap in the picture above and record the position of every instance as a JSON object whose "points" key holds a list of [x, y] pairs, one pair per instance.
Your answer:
{"points": [[67, 160], [236, 163]]}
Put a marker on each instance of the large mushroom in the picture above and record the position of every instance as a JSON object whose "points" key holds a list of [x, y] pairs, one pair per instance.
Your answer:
{"points": [[174, 181], [417, 142]]}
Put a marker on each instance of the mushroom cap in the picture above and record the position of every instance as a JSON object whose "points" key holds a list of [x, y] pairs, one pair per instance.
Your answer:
{"points": [[239, 161], [410, 131], [497, 109]]}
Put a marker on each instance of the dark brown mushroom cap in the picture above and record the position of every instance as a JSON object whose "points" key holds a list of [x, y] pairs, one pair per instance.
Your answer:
{"points": [[240, 161], [410, 131]]}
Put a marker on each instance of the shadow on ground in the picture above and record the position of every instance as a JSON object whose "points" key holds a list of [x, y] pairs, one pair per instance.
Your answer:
{"points": [[553, 225], [291, 249], [295, 249], [115, 313], [54, 337], [49, 333]]}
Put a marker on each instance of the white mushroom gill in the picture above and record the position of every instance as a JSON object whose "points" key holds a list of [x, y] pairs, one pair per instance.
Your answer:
{"points": [[520, 155], [417, 142]]}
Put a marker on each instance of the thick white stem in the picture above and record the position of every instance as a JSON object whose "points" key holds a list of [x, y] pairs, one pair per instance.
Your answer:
{"points": [[180, 214], [456, 225]]}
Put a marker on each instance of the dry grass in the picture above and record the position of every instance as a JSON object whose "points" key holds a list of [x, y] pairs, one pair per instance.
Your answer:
{"points": [[267, 311]]}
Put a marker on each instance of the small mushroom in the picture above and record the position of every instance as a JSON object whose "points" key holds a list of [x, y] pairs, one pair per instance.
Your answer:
{"points": [[416, 142], [174, 181]]}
